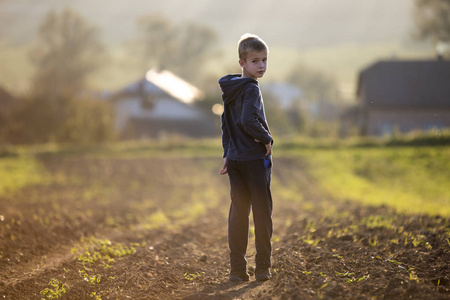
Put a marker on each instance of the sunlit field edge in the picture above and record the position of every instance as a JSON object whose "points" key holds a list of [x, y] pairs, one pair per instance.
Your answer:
{"points": [[407, 175]]}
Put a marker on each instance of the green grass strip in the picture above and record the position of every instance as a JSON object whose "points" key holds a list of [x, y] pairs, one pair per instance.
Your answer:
{"points": [[18, 172], [410, 179]]}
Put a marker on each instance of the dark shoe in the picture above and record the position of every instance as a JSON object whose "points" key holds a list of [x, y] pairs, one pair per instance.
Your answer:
{"points": [[238, 277], [263, 275]]}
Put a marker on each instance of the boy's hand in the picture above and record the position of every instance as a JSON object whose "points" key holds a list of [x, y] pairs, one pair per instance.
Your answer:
{"points": [[224, 167], [268, 147]]}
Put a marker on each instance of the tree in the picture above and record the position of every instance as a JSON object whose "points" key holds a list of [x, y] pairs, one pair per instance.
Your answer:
{"points": [[317, 113], [196, 45], [316, 86], [432, 18], [179, 48], [57, 109], [278, 118], [157, 40], [67, 51], [67, 120]]}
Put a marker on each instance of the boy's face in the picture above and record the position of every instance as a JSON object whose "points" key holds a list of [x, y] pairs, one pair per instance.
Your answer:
{"points": [[255, 65]]}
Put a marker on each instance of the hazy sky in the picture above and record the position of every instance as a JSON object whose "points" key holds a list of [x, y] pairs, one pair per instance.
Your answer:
{"points": [[304, 23], [339, 37]]}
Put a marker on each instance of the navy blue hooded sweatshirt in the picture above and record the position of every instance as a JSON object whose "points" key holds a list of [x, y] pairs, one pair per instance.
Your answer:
{"points": [[243, 119]]}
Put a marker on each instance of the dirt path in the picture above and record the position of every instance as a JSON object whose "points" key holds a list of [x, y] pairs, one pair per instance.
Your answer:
{"points": [[91, 234]]}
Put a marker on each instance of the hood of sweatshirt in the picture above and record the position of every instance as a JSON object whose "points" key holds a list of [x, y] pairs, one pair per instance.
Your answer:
{"points": [[232, 86]]}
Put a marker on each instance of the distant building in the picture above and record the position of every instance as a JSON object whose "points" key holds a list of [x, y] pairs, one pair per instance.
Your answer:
{"points": [[403, 96], [290, 97], [160, 104], [286, 94]]}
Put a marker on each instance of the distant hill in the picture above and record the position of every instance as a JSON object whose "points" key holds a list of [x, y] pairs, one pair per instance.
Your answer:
{"points": [[283, 22]]}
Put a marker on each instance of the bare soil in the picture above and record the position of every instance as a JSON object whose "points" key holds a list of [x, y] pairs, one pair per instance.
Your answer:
{"points": [[323, 249]]}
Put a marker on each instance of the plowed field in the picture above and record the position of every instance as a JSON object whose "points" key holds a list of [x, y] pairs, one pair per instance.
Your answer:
{"points": [[155, 228]]}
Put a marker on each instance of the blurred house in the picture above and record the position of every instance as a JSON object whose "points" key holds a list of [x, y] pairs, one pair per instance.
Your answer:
{"points": [[290, 97], [401, 96], [160, 104], [286, 94]]}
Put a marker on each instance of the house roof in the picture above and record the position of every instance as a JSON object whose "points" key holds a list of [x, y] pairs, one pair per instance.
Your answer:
{"points": [[164, 83], [415, 83]]}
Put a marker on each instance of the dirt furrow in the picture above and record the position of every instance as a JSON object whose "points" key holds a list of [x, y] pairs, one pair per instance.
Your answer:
{"points": [[99, 236]]}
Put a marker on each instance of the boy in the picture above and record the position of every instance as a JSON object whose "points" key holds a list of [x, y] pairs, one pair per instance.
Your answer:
{"points": [[247, 145]]}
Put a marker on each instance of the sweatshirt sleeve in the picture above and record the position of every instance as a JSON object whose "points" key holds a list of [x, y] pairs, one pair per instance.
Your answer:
{"points": [[251, 110], [225, 136]]}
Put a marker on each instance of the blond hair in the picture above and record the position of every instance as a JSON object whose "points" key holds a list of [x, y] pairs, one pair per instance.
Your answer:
{"points": [[250, 42]]}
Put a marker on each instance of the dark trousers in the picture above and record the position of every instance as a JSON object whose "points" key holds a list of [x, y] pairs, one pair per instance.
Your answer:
{"points": [[250, 189]]}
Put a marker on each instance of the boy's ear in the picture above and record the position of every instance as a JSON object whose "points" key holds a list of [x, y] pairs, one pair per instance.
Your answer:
{"points": [[242, 63]]}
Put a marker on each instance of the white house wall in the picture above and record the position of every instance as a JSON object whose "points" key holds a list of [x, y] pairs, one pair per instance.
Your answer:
{"points": [[163, 109], [384, 121], [124, 110], [168, 108]]}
